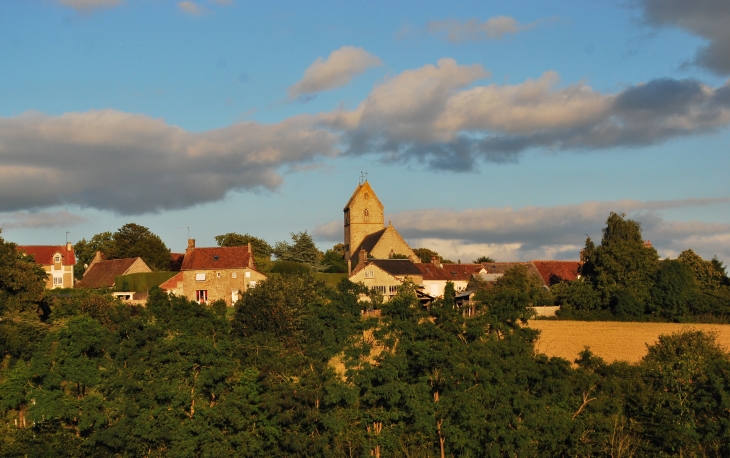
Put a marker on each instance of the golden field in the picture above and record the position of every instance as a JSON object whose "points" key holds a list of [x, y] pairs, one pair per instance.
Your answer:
{"points": [[612, 341]]}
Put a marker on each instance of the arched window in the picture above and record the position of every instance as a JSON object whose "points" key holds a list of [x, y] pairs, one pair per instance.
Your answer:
{"points": [[367, 213]]}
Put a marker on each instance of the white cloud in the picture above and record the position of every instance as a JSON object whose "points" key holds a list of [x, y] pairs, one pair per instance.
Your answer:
{"points": [[88, 5], [336, 71], [35, 220], [474, 30], [133, 164], [191, 8], [558, 232], [432, 116]]}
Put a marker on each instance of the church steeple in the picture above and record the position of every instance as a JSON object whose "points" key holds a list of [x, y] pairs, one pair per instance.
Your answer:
{"points": [[363, 215]]}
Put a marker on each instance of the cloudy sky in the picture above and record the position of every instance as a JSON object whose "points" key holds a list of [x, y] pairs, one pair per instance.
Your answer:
{"points": [[506, 128]]}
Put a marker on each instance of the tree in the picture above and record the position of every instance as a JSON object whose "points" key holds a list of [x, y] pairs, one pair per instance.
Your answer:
{"points": [[482, 259], [424, 254], [261, 248], [674, 288], [707, 273], [334, 258], [21, 279], [85, 251], [133, 240], [302, 249], [622, 261], [682, 403]]}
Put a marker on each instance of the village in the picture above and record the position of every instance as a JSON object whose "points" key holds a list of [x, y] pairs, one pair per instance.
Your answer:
{"points": [[375, 254]]}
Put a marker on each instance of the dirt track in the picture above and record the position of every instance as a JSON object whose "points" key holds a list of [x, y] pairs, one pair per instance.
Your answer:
{"points": [[612, 341]]}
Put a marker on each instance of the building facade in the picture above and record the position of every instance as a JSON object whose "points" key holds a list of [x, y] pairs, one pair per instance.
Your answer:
{"points": [[57, 260]]}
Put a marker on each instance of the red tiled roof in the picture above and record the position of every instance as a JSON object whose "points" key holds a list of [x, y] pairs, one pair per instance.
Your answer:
{"points": [[43, 254], [447, 272], [553, 272], [103, 273], [230, 257], [176, 260], [172, 282]]}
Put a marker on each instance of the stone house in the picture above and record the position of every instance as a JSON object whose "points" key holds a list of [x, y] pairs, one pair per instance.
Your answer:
{"points": [[210, 274], [57, 260], [102, 273], [385, 275], [436, 275]]}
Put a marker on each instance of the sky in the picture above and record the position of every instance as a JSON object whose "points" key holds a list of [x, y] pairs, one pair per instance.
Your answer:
{"points": [[506, 128]]}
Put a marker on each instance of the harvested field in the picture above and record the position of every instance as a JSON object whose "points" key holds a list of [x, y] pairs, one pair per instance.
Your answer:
{"points": [[612, 341]]}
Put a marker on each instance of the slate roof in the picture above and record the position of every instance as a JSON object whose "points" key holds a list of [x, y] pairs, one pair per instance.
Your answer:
{"points": [[396, 266], [103, 273], [43, 254], [447, 272], [553, 272], [172, 282], [230, 257]]}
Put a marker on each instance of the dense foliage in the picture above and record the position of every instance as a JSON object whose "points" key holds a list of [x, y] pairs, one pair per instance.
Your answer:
{"points": [[297, 371], [129, 241], [624, 279]]}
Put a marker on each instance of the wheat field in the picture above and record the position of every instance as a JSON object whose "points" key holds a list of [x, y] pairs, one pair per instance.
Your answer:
{"points": [[612, 341]]}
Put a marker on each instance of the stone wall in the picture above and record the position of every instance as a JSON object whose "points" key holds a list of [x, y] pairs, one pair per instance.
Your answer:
{"points": [[220, 284]]}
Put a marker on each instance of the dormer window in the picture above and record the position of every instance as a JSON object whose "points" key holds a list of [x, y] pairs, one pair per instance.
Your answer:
{"points": [[57, 259], [215, 258]]}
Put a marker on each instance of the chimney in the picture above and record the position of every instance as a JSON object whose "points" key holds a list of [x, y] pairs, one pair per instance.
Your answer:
{"points": [[250, 256], [436, 260], [191, 245], [362, 257], [68, 246]]}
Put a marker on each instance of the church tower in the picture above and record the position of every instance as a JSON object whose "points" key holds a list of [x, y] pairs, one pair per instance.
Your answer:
{"points": [[363, 216]]}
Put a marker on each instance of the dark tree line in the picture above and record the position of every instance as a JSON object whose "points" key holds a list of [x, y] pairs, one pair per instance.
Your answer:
{"points": [[297, 371], [623, 278]]}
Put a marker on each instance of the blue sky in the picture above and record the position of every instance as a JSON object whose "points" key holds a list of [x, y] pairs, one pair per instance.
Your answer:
{"points": [[503, 128]]}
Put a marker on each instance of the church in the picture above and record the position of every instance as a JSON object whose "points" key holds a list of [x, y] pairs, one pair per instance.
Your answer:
{"points": [[366, 233]]}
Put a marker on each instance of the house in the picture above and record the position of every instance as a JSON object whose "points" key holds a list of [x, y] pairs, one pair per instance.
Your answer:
{"points": [[385, 275], [210, 274], [365, 230], [554, 272], [102, 273], [436, 275], [57, 260]]}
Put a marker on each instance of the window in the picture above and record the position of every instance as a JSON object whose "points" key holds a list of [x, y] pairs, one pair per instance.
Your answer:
{"points": [[393, 290], [234, 274], [252, 284], [234, 296], [380, 289], [218, 274], [369, 274], [248, 274], [367, 213], [199, 277], [57, 281], [57, 259], [201, 296]]}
